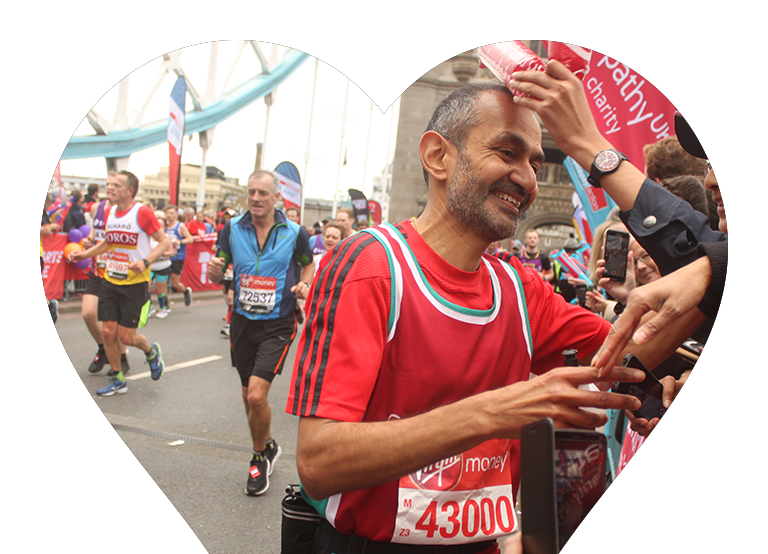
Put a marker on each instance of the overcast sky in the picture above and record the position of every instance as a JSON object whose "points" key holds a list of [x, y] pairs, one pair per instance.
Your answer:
{"points": [[234, 141]]}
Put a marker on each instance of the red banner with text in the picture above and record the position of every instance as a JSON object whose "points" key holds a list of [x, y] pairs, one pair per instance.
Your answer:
{"points": [[629, 111], [195, 272], [56, 269]]}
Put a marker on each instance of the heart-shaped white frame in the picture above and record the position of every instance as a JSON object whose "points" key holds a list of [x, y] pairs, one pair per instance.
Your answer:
{"points": [[383, 78]]}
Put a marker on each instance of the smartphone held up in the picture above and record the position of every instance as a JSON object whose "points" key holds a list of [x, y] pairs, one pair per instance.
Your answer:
{"points": [[649, 391], [616, 251]]}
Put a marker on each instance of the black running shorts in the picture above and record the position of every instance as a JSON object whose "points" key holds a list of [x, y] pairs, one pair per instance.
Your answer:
{"points": [[177, 266], [123, 303], [94, 285], [260, 347]]}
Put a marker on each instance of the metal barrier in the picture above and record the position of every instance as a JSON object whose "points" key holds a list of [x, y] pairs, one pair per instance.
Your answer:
{"points": [[72, 287]]}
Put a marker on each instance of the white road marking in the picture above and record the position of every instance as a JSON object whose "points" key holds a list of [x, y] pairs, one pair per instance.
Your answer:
{"points": [[190, 363]]}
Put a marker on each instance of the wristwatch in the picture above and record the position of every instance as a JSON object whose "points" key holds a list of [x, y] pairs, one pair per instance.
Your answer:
{"points": [[146, 263], [606, 161]]}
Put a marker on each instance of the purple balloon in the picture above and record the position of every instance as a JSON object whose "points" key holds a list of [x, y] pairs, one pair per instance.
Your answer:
{"points": [[75, 235], [83, 264], [85, 230]]}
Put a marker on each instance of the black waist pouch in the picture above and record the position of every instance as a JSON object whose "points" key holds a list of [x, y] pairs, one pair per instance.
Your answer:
{"points": [[300, 523]]}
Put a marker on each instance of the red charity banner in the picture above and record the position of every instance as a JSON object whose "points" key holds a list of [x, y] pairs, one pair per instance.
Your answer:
{"points": [[629, 447], [56, 269], [629, 111], [195, 272]]}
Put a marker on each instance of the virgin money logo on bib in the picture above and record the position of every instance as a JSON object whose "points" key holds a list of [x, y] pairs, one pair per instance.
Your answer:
{"points": [[255, 281], [442, 476]]}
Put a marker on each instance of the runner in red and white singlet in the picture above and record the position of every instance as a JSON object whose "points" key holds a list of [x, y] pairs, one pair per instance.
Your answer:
{"points": [[412, 373]]}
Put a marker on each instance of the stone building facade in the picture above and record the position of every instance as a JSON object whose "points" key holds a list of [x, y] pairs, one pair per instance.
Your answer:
{"points": [[551, 214]]}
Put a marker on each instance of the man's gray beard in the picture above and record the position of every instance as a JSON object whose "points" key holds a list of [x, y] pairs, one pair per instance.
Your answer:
{"points": [[466, 201]]}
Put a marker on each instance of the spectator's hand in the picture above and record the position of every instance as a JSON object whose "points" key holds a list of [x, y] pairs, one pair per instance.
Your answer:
{"points": [[596, 302], [671, 388], [558, 97], [87, 243], [671, 297], [620, 291]]}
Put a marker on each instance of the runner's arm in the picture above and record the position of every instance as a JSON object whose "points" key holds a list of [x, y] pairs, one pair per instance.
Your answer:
{"points": [[186, 234], [334, 456], [218, 263], [301, 288], [93, 251], [163, 242]]}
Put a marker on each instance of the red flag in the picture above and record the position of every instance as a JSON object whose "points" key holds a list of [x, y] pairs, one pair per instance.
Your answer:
{"points": [[374, 208], [176, 137], [290, 184]]}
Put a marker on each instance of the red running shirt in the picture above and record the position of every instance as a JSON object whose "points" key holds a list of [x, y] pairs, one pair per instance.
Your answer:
{"points": [[371, 351]]}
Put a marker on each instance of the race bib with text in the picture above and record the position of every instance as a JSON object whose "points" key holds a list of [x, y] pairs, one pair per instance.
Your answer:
{"points": [[462, 499], [257, 294], [117, 265]]}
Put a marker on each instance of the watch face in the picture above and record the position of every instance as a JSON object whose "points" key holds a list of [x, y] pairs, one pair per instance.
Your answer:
{"points": [[607, 160]]}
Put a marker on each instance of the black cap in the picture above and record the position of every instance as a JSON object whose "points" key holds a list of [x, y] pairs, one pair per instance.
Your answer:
{"points": [[687, 138]]}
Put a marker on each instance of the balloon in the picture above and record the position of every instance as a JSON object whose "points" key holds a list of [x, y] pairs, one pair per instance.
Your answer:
{"points": [[75, 235], [83, 264], [71, 247], [85, 230]]}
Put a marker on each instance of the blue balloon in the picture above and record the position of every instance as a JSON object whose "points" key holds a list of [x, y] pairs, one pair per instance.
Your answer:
{"points": [[85, 230]]}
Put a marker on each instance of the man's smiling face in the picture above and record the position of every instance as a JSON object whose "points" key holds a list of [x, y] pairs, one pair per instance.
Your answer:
{"points": [[494, 179]]}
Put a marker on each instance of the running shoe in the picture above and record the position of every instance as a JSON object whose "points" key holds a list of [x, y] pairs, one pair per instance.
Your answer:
{"points": [[162, 314], [98, 361], [272, 452], [225, 331], [187, 296], [115, 386], [258, 475], [123, 365], [152, 311], [155, 361], [53, 307]]}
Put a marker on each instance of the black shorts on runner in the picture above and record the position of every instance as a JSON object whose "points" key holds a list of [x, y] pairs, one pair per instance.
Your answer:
{"points": [[226, 284], [94, 285], [177, 266], [126, 304], [163, 272], [260, 347]]}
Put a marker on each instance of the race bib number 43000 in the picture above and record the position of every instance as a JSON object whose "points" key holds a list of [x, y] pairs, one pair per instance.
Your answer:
{"points": [[462, 499]]}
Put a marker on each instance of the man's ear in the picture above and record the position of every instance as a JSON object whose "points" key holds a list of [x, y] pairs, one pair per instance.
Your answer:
{"points": [[436, 154]]}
